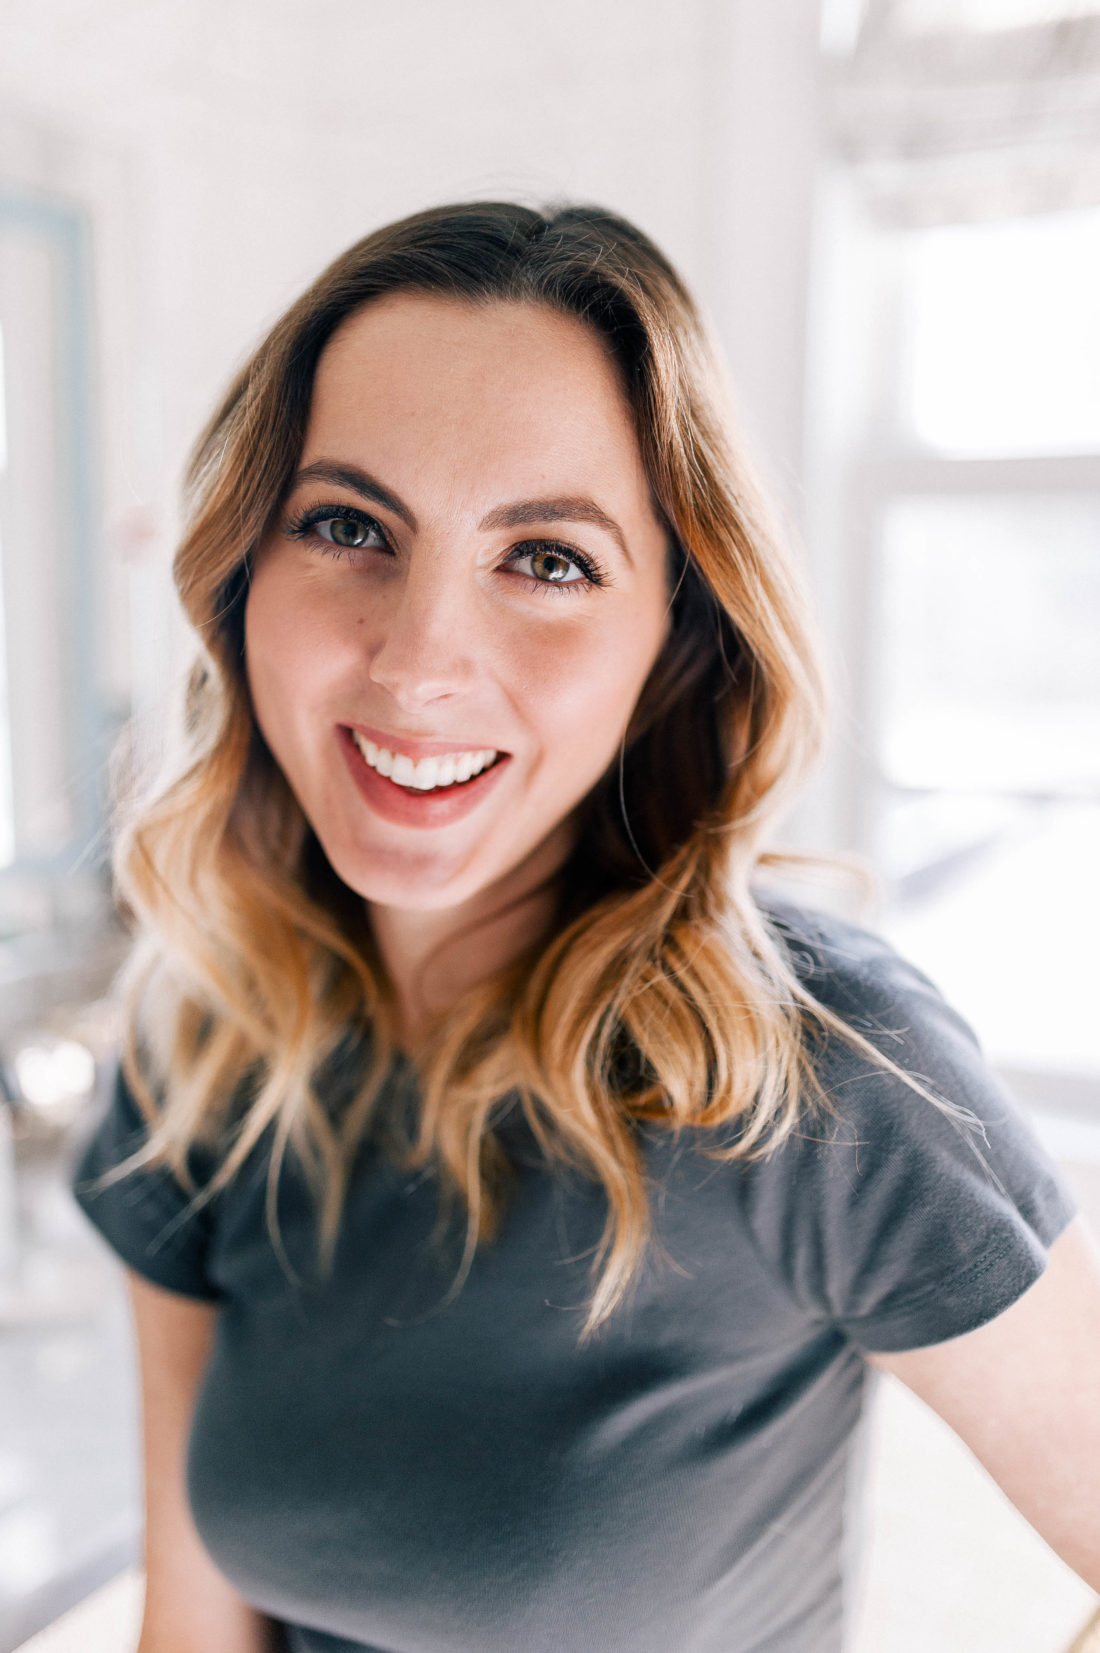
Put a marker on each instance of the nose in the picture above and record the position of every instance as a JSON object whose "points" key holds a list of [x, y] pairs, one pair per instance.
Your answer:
{"points": [[427, 635]]}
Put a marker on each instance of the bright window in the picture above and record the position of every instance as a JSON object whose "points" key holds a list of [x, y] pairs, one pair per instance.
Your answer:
{"points": [[1004, 342], [976, 505], [988, 670]]}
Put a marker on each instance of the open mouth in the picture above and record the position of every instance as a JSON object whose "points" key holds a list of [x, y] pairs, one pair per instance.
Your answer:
{"points": [[434, 790], [447, 772]]}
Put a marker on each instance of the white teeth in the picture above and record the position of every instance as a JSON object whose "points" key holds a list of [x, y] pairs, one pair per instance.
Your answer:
{"points": [[427, 774]]}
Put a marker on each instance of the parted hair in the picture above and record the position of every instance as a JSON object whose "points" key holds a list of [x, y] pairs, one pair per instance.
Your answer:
{"points": [[664, 992]]}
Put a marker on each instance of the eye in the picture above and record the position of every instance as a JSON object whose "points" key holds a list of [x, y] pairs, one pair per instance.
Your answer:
{"points": [[551, 564], [349, 533], [342, 527]]}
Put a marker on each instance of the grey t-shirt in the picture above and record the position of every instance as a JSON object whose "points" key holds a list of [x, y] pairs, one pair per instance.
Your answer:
{"points": [[379, 1469]]}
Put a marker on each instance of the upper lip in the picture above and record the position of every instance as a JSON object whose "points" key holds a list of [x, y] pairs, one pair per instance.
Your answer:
{"points": [[412, 747]]}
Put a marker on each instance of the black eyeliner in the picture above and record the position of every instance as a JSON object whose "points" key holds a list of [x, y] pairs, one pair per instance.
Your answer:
{"points": [[592, 570], [299, 525]]}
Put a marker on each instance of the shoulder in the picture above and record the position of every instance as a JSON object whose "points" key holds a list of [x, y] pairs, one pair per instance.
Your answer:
{"points": [[914, 1080], [915, 1209], [841, 962], [881, 995]]}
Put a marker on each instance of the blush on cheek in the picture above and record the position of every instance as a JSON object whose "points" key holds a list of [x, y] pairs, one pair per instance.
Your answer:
{"points": [[580, 690], [301, 658]]}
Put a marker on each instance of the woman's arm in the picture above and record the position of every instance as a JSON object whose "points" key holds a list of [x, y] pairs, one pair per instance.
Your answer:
{"points": [[1023, 1392], [190, 1607]]}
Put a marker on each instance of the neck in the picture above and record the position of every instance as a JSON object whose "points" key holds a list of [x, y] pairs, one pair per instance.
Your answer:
{"points": [[433, 956]]}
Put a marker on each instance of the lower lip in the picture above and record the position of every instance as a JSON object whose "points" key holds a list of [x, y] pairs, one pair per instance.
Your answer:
{"points": [[405, 807]]}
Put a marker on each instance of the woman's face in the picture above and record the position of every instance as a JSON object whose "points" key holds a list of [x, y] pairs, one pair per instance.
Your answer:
{"points": [[456, 608]]}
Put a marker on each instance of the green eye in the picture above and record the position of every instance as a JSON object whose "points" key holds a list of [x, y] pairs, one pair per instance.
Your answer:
{"points": [[344, 532], [342, 527]]}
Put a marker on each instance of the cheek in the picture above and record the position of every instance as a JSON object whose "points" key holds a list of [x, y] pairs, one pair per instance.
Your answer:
{"points": [[283, 666], [291, 652], [577, 687], [268, 646]]}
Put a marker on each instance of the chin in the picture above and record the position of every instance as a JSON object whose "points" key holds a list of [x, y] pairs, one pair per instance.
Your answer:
{"points": [[413, 882]]}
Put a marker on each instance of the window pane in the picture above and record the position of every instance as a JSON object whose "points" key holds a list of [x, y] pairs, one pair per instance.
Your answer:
{"points": [[987, 678], [1006, 927], [1004, 336], [986, 693]]}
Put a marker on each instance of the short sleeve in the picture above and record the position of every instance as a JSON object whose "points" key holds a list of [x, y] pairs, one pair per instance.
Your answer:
{"points": [[893, 1220], [144, 1215]]}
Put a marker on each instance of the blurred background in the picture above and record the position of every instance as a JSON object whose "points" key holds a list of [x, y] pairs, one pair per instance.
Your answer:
{"points": [[890, 210]]}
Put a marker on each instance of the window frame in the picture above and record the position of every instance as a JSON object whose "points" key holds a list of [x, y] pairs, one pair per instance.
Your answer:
{"points": [[60, 878], [896, 161]]}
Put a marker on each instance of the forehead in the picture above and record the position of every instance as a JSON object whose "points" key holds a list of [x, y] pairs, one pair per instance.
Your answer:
{"points": [[413, 376]]}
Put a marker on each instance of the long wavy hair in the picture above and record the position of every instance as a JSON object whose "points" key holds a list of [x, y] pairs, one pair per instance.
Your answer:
{"points": [[664, 993]]}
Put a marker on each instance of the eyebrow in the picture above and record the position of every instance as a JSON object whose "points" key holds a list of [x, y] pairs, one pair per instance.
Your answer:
{"points": [[523, 513], [526, 512], [350, 476]]}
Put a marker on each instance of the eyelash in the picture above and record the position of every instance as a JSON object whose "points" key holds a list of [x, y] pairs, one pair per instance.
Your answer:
{"points": [[301, 526]]}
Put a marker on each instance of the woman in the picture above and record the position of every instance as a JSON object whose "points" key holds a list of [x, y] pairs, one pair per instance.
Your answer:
{"points": [[514, 1191]]}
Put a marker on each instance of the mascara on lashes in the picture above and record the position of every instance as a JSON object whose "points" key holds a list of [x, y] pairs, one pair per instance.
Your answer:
{"points": [[304, 522]]}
